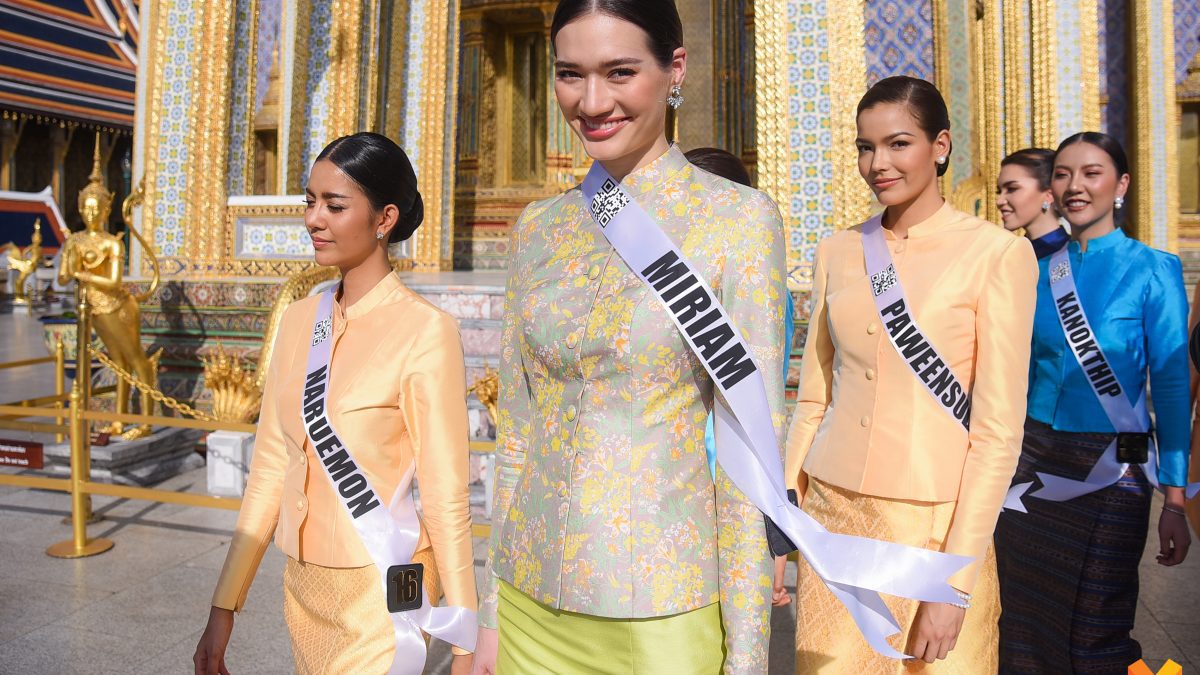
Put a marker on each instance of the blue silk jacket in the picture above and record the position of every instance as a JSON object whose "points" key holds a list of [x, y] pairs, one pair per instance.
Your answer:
{"points": [[1134, 298]]}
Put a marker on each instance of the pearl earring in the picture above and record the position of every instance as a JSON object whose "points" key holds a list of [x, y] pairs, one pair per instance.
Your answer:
{"points": [[676, 98], [1119, 203], [941, 160]]}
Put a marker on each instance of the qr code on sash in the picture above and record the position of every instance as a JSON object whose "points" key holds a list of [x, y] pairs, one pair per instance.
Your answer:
{"points": [[321, 331], [883, 281], [1060, 271], [608, 202]]}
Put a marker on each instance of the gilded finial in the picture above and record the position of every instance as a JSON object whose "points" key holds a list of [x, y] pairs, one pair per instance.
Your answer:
{"points": [[95, 200]]}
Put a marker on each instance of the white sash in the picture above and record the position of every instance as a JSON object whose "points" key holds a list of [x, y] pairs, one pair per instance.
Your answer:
{"points": [[855, 569], [1123, 416], [918, 351], [389, 535]]}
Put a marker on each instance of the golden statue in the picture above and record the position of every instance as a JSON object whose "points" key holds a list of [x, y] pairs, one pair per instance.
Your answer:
{"points": [[94, 258], [25, 263], [236, 396], [487, 390]]}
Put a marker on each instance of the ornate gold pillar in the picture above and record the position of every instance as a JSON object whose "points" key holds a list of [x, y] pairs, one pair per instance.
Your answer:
{"points": [[10, 136], [1155, 216], [560, 151]]}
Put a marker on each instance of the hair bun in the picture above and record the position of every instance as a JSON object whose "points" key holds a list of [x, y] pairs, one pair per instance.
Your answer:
{"points": [[409, 221]]}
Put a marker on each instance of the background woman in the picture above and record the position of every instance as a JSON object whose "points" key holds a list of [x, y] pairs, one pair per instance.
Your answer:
{"points": [[877, 455], [1069, 569], [614, 550], [397, 397], [1025, 201]]}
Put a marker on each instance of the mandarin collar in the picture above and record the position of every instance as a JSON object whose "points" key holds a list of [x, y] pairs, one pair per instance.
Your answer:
{"points": [[1108, 241], [941, 220], [382, 289], [666, 168]]}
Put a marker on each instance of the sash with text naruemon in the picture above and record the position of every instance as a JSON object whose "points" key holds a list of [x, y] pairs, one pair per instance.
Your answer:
{"points": [[389, 534], [1122, 415], [855, 569]]}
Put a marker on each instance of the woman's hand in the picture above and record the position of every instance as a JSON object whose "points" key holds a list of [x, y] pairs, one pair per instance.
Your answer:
{"points": [[210, 652], [486, 647], [1173, 536], [460, 664], [935, 630], [779, 594]]}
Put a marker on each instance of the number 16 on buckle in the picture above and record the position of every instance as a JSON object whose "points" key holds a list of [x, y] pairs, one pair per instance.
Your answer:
{"points": [[405, 587]]}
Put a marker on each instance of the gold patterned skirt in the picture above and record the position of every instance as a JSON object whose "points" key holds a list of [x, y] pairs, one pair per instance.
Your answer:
{"points": [[338, 618], [827, 640]]}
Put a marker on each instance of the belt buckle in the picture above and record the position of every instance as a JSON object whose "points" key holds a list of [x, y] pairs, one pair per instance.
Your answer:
{"points": [[1133, 447], [405, 587]]}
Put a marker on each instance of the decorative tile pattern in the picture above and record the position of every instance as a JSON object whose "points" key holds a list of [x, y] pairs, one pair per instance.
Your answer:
{"points": [[239, 118], [317, 84], [1187, 35], [809, 206], [272, 239], [962, 119], [899, 39], [171, 180]]}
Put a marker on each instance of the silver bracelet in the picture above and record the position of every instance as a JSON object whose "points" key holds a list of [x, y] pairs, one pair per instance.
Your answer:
{"points": [[1178, 512], [966, 600]]}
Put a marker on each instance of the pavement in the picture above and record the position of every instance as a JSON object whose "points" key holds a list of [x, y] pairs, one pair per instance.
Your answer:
{"points": [[141, 607]]}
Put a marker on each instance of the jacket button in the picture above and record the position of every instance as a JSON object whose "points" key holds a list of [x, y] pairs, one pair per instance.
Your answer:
{"points": [[563, 492], [594, 272], [304, 458], [300, 505], [872, 329], [870, 374], [865, 421], [572, 341], [571, 412]]}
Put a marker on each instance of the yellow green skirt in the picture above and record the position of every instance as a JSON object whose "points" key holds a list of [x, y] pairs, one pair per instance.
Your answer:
{"points": [[338, 618], [827, 641], [535, 638]]}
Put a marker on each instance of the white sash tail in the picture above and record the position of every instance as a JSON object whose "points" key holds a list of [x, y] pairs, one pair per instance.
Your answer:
{"points": [[856, 569], [389, 534], [1124, 417]]}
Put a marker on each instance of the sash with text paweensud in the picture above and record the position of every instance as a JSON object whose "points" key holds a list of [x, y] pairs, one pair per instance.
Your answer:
{"points": [[390, 534], [1122, 415], [855, 569]]}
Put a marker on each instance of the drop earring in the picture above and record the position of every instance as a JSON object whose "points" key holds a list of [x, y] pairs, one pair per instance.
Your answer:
{"points": [[1119, 203], [675, 99], [1045, 207]]}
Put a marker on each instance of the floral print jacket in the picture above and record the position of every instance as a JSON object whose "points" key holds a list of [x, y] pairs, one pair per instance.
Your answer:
{"points": [[604, 504]]}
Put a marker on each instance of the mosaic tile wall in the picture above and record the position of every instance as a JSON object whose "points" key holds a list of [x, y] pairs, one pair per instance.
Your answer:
{"points": [[809, 208], [172, 160], [286, 239], [239, 119], [316, 84], [1187, 35], [898, 38]]}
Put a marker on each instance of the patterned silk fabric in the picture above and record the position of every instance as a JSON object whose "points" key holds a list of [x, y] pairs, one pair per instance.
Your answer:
{"points": [[604, 503]]}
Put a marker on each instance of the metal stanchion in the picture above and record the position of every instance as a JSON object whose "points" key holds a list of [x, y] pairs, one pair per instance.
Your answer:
{"points": [[60, 377], [78, 546]]}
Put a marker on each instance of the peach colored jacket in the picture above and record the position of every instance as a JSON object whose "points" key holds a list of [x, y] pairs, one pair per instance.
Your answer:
{"points": [[397, 394], [864, 422]]}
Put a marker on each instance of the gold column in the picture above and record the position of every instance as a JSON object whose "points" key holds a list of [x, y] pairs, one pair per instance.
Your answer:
{"points": [[1044, 49], [848, 78], [1089, 58], [770, 74], [1155, 155], [208, 142], [1017, 106], [345, 46], [437, 139], [10, 137]]}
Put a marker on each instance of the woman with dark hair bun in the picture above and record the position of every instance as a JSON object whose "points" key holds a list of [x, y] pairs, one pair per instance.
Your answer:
{"points": [[1111, 319], [907, 424], [614, 549], [1026, 202], [365, 392]]}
